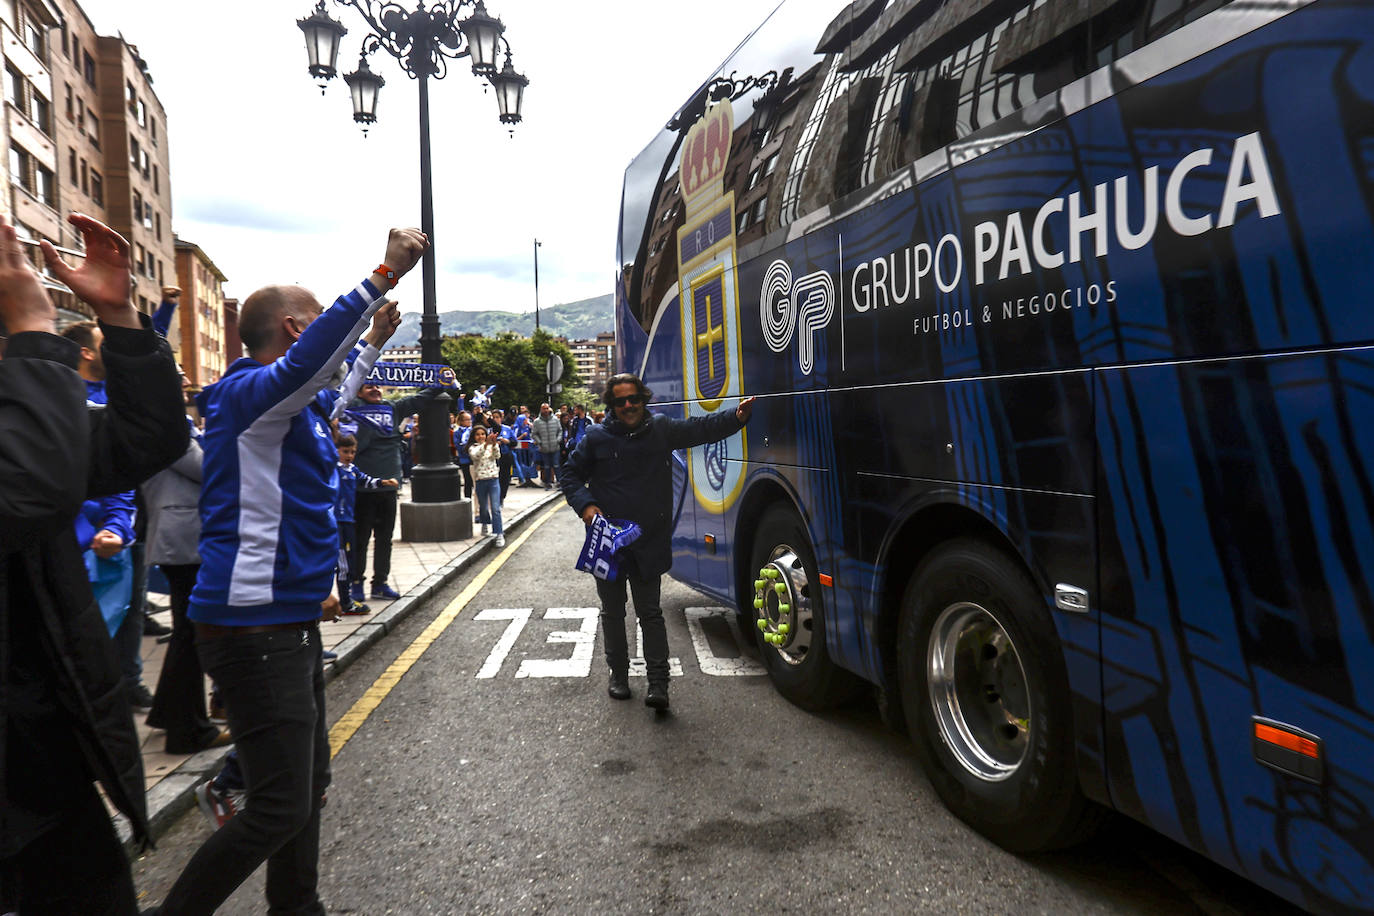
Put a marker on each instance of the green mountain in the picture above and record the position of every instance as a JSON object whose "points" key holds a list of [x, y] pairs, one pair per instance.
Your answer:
{"points": [[573, 320]]}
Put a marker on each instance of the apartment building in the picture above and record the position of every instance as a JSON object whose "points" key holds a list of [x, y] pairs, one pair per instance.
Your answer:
{"points": [[31, 199], [137, 186], [595, 359], [201, 315]]}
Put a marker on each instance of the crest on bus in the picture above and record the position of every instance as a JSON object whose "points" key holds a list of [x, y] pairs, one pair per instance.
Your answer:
{"points": [[708, 312], [706, 249]]}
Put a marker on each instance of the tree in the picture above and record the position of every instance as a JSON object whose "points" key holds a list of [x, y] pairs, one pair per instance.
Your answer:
{"points": [[514, 364]]}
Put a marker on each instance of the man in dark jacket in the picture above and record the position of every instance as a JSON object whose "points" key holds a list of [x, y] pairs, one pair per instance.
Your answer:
{"points": [[621, 469], [65, 716], [379, 455]]}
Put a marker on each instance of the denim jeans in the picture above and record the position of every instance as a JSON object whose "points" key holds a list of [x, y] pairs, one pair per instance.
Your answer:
{"points": [[489, 503], [273, 688], [645, 592]]}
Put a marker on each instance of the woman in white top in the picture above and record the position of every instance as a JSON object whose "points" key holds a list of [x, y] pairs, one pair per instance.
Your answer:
{"points": [[485, 453]]}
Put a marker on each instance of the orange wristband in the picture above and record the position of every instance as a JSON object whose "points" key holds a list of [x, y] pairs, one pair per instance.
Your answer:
{"points": [[386, 272]]}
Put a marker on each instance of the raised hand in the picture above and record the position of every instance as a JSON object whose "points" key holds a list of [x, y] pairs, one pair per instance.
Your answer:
{"points": [[745, 409], [24, 304], [103, 280], [385, 321], [403, 250]]}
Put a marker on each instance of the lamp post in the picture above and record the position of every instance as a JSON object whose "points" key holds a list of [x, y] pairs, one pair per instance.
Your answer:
{"points": [[422, 41], [537, 243]]}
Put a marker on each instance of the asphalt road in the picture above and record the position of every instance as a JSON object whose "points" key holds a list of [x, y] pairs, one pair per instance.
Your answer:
{"points": [[497, 776]]}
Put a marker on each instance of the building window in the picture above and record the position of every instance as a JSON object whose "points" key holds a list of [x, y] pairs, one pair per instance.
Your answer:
{"points": [[93, 128], [14, 87], [144, 162], [40, 113], [66, 51], [138, 206], [157, 219], [152, 129], [71, 165], [97, 188], [129, 96], [19, 167], [134, 150], [71, 105], [47, 185], [142, 114], [156, 187], [88, 67], [147, 215], [36, 38], [85, 178]]}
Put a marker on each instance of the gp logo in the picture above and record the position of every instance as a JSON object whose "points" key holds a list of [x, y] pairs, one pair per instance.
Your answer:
{"points": [[799, 308]]}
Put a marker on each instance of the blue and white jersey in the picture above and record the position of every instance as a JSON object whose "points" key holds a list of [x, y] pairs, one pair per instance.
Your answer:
{"points": [[269, 539]]}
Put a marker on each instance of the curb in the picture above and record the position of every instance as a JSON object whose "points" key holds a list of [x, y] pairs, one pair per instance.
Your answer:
{"points": [[175, 794]]}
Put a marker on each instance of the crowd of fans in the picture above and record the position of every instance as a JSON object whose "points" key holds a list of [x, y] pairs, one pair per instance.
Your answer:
{"points": [[259, 515]]}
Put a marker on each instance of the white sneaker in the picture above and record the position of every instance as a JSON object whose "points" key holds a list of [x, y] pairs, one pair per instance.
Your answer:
{"points": [[484, 531], [500, 540]]}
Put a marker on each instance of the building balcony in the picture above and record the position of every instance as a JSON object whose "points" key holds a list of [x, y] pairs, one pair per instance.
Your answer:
{"points": [[24, 133]]}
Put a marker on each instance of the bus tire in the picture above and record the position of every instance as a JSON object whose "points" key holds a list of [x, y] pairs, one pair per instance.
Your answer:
{"points": [[799, 664], [987, 699]]}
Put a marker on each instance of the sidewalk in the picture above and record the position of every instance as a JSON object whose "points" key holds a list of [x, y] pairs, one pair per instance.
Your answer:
{"points": [[417, 570]]}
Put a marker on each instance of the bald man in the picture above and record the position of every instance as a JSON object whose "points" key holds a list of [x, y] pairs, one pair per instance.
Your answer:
{"points": [[269, 550]]}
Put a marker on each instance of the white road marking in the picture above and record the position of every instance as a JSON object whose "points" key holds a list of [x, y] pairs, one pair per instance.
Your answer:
{"points": [[518, 617], [583, 640], [710, 663]]}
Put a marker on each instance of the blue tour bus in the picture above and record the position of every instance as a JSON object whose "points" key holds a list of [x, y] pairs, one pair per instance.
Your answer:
{"points": [[1058, 320]]}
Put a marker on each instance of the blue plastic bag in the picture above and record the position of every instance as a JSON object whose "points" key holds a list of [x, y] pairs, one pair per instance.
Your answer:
{"points": [[605, 538], [112, 582]]}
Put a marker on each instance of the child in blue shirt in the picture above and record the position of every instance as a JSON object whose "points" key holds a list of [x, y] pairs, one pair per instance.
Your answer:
{"points": [[350, 480]]}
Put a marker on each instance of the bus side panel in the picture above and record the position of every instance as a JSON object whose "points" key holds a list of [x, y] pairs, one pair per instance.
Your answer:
{"points": [[1236, 539]]}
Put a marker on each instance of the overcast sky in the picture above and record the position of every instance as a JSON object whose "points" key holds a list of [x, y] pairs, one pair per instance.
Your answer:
{"points": [[277, 184]]}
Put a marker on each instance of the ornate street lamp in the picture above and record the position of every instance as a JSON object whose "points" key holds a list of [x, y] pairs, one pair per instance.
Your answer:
{"points": [[422, 41], [365, 87], [322, 35], [510, 93]]}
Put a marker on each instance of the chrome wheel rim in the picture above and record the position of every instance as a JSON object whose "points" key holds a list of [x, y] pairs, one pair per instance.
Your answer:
{"points": [[978, 692], [796, 594]]}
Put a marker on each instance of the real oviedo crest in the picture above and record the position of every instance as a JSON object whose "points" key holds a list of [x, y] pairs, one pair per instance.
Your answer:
{"points": [[710, 303]]}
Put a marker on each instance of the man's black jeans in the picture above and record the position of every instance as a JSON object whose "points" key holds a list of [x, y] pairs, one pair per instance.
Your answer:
{"points": [[273, 687], [375, 515], [645, 592]]}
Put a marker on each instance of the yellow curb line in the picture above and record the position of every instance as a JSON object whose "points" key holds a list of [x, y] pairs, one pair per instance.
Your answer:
{"points": [[352, 720]]}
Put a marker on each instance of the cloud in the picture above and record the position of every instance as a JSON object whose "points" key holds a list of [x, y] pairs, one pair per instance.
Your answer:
{"points": [[242, 213], [510, 267]]}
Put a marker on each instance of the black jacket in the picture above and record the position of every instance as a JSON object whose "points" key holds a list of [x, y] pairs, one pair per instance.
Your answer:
{"points": [[65, 712], [627, 474]]}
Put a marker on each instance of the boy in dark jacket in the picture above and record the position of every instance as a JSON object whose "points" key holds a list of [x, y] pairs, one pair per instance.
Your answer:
{"points": [[64, 716], [621, 469]]}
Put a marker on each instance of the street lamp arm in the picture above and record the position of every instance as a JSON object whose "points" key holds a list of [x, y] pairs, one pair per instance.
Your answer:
{"points": [[420, 40]]}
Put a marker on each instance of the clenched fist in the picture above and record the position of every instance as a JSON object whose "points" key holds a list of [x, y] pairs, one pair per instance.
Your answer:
{"points": [[403, 250]]}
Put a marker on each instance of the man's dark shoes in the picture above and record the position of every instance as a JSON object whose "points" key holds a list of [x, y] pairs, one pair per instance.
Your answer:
{"points": [[619, 686], [657, 697], [355, 592], [382, 591], [153, 627], [139, 697]]}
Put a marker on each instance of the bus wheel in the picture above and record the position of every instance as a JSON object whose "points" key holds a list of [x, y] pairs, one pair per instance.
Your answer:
{"points": [[987, 700], [789, 615]]}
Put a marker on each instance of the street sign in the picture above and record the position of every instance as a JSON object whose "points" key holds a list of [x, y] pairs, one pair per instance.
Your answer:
{"points": [[554, 368], [555, 388]]}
